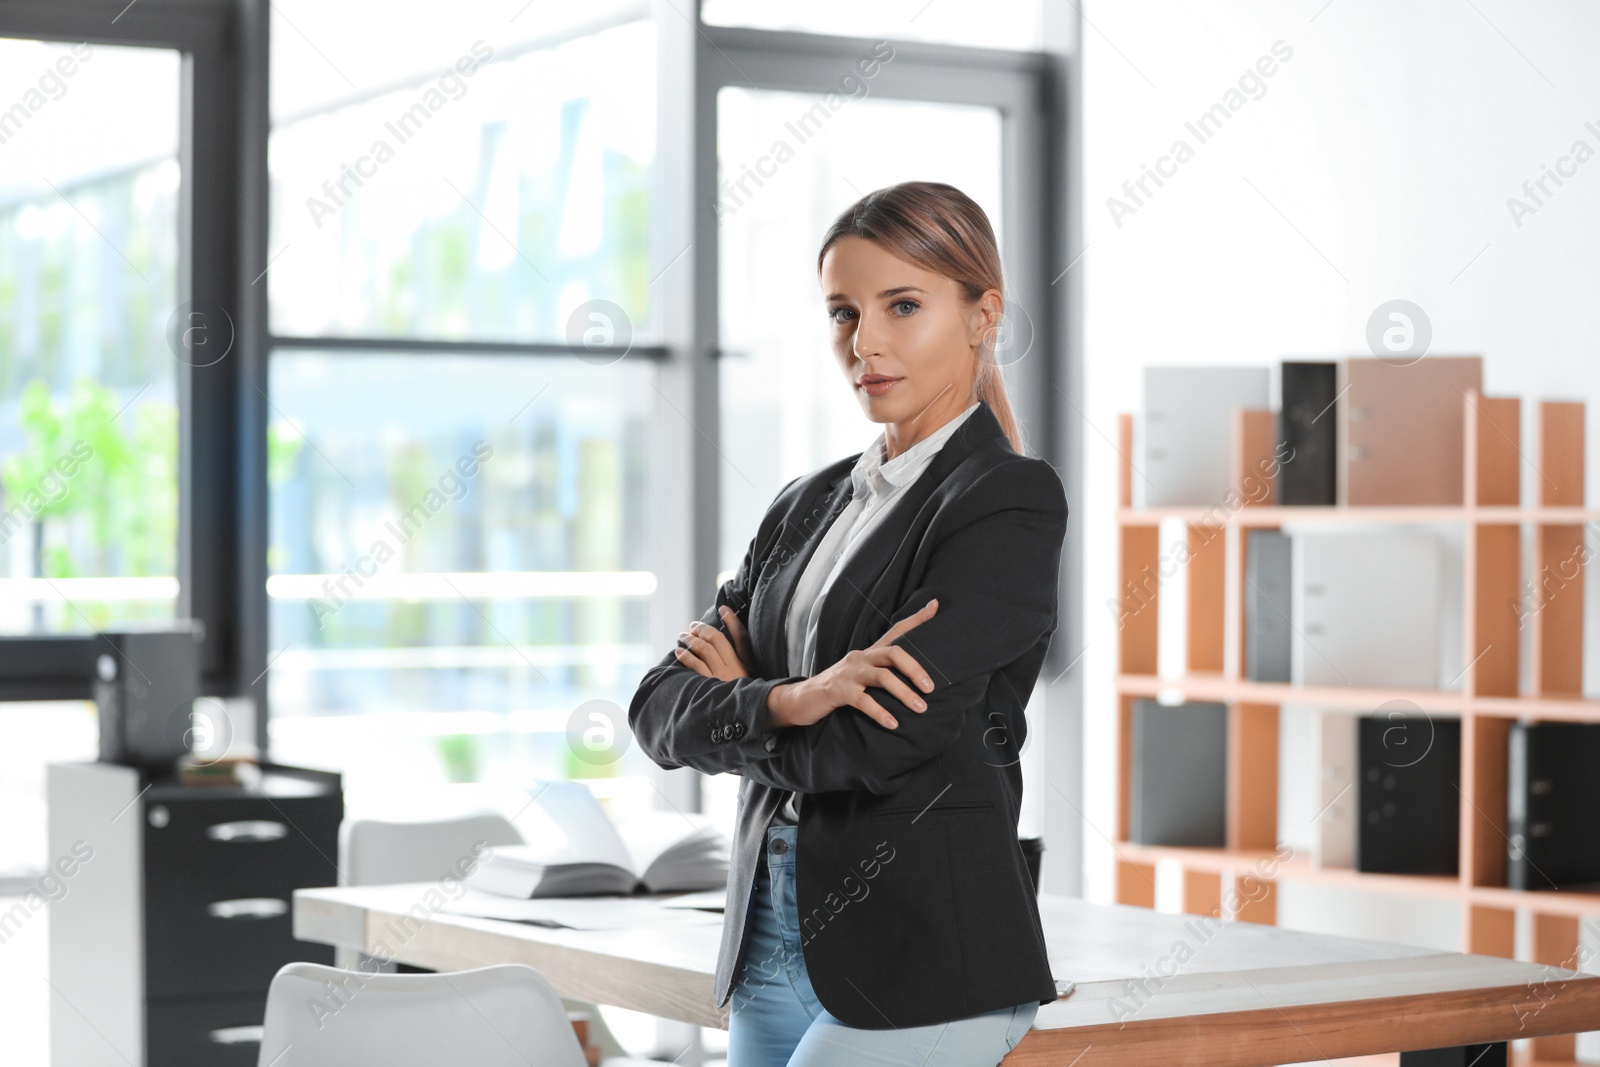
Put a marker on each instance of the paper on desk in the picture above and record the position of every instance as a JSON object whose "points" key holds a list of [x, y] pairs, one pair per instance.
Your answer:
{"points": [[577, 913], [706, 899]]}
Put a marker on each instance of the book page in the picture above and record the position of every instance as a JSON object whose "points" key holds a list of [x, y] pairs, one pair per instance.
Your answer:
{"points": [[570, 826], [676, 850], [647, 835]]}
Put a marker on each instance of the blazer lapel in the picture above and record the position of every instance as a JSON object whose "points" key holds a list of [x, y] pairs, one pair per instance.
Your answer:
{"points": [[794, 546], [848, 596]]}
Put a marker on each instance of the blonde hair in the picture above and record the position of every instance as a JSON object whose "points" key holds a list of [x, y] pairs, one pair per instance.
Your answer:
{"points": [[938, 227]]}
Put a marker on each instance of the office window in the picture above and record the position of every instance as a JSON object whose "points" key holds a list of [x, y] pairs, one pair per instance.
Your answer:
{"points": [[997, 24], [458, 542], [486, 189], [89, 182], [780, 383], [460, 560]]}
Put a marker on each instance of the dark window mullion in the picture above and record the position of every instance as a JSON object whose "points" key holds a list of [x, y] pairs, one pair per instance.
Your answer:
{"points": [[424, 346]]}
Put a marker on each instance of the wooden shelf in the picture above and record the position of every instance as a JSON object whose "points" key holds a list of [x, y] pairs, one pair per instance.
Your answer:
{"points": [[1297, 868], [1265, 864], [1500, 595], [1205, 686], [1544, 901], [1212, 686], [1275, 514], [1566, 709]]}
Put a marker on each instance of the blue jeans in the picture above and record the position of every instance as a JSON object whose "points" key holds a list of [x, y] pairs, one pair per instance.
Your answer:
{"points": [[775, 1020]]}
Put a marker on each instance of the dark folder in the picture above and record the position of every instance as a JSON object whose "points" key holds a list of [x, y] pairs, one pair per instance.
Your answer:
{"points": [[1308, 427], [1553, 805], [1178, 791], [1410, 769], [1269, 634]]}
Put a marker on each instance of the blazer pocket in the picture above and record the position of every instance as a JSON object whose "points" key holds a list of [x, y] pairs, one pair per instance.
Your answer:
{"points": [[935, 809]]}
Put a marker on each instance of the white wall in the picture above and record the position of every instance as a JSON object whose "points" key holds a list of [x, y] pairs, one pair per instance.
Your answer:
{"points": [[1376, 164]]}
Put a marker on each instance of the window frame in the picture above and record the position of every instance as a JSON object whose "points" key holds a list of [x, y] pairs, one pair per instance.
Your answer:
{"points": [[699, 59], [213, 459], [356, 344]]}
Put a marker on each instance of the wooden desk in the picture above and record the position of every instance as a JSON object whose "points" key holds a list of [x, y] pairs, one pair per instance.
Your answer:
{"points": [[1152, 988]]}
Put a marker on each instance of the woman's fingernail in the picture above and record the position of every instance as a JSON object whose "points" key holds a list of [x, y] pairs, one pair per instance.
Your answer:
{"points": [[894, 724], [921, 705], [927, 683]]}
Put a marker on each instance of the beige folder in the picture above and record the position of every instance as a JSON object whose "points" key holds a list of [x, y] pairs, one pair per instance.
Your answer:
{"points": [[1401, 429]]}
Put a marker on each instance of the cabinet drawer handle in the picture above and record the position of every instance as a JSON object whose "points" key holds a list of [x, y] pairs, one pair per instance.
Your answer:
{"points": [[248, 908], [247, 830], [237, 1035]]}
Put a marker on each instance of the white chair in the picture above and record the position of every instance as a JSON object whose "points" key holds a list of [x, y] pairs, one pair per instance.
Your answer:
{"points": [[378, 852], [383, 852], [501, 1016]]}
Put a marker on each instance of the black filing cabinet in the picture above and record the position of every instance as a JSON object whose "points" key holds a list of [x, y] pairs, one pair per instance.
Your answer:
{"points": [[216, 868]]}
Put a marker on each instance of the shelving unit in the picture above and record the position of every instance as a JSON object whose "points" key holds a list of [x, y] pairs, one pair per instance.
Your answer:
{"points": [[1494, 524]]}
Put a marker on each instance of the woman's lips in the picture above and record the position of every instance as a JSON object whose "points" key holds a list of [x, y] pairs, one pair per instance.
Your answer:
{"points": [[880, 386]]}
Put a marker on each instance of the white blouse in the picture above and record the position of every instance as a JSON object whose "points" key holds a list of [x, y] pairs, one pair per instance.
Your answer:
{"points": [[877, 485]]}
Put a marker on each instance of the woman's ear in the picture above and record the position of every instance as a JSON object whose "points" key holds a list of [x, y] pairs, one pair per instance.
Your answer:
{"points": [[985, 320]]}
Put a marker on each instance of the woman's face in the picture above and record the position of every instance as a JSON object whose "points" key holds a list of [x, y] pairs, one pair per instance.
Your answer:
{"points": [[903, 329]]}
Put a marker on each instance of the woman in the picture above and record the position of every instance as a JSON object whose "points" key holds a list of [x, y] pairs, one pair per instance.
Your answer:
{"points": [[865, 672]]}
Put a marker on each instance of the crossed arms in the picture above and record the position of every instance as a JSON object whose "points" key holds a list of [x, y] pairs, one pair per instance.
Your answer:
{"points": [[994, 572]]}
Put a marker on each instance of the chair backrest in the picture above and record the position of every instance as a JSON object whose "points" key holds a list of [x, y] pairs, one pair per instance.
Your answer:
{"points": [[502, 1016], [375, 852]]}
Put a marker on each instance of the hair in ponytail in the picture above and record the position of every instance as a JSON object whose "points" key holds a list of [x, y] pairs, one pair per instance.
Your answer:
{"points": [[942, 229]]}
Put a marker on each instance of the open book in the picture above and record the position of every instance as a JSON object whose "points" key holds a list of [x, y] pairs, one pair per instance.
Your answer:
{"points": [[579, 851]]}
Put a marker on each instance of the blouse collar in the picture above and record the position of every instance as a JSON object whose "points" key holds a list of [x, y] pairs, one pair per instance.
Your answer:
{"points": [[908, 465]]}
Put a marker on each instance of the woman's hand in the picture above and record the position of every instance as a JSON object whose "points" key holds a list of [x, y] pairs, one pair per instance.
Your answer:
{"points": [[709, 651], [845, 683]]}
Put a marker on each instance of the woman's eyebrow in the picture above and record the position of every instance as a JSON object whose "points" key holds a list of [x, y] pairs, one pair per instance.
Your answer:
{"points": [[896, 291]]}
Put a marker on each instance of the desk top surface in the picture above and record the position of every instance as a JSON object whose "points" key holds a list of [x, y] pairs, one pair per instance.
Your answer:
{"points": [[1128, 962]]}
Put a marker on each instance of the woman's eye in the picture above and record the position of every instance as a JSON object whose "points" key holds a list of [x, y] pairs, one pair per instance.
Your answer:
{"points": [[902, 307]]}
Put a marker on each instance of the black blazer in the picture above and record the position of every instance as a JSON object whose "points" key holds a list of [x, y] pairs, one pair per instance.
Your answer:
{"points": [[915, 901]]}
